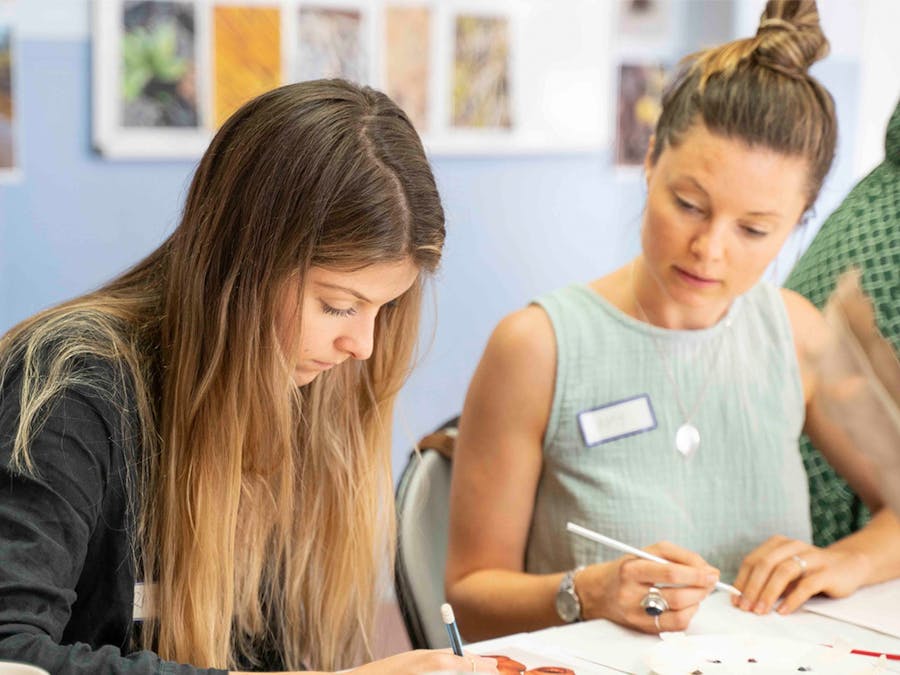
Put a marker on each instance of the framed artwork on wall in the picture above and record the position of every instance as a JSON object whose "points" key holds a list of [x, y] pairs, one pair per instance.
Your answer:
{"points": [[9, 122], [167, 73], [475, 106], [639, 105], [333, 39], [149, 66], [407, 60], [482, 74], [246, 45]]}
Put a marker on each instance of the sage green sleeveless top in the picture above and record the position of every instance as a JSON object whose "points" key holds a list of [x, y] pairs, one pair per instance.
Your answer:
{"points": [[621, 475]]}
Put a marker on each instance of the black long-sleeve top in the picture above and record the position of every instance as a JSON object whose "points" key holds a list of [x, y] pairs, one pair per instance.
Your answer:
{"points": [[66, 565]]}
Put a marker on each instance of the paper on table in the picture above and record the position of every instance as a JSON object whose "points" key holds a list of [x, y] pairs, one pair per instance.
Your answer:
{"points": [[535, 654], [622, 649], [740, 653], [875, 607]]}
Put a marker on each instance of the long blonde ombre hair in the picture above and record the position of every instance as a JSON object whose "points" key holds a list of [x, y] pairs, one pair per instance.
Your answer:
{"points": [[264, 512]]}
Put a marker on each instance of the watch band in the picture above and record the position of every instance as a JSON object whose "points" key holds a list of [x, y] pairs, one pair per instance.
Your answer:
{"points": [[568, 604]]}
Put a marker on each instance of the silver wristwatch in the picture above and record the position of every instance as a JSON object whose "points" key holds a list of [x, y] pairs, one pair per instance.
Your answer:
{"points": [[568, 606]]}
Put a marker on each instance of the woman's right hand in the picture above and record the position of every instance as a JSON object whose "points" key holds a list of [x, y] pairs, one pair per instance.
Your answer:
{"points": [[427, 661], [614, 590]]}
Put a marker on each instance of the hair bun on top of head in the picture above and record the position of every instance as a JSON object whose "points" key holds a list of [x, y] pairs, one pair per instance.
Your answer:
{"points": [[789, 38]]}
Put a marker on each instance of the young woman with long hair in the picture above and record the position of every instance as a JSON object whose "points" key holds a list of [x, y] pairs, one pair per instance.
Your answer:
{"points": [[665, 400], [204, 442]]}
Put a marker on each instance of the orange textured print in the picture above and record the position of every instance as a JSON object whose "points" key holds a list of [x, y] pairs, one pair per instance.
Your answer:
{"points": [[247, 56]]}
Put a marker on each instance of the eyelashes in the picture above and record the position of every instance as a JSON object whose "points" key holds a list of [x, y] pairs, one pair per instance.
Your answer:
{"points": [[334, 311], [686, 205], [753, 232], [694, 210]]}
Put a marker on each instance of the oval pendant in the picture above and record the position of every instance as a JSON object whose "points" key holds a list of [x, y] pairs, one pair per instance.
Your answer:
{"points": [[687, 439]]}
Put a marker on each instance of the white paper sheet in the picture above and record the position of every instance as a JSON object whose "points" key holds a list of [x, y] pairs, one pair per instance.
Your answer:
{"points": [[625, 650], [535, 653], [738, 654], [875, 607]]}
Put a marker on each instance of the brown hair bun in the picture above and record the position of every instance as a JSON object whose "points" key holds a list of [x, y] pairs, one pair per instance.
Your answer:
{"points": [[789, 38]]}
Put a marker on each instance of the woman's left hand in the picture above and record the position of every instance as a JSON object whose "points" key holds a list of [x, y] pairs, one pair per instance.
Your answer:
{"points": [[795, 571]]}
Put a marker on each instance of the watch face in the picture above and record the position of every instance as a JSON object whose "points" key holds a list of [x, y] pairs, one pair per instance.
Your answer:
{"points": [[567, 606]]}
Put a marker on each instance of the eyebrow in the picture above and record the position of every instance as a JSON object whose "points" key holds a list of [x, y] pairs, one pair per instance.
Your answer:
{"points": [[345, 289], [755, 214]]}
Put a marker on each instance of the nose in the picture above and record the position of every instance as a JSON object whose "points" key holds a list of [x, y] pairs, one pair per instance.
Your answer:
{"points": [[359, 340], [708, 243]]}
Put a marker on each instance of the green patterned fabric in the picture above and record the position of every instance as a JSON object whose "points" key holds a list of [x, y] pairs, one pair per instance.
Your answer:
{"points": [[863, 231]]}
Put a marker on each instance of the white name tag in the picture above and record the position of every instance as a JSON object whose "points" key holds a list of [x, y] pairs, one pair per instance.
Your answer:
{"points": [[139, 610], [617, 420]]}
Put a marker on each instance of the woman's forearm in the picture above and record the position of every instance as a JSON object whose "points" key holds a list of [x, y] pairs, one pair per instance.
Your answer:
{"points": [[493, 602], [879, 544]]}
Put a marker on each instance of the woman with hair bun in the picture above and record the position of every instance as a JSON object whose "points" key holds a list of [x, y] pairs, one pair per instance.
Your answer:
{"points": [[664, 401], [195, 458]]}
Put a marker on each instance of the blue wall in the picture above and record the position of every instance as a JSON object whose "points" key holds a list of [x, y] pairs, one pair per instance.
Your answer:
{"points": [[517, 226], [75, 219]]}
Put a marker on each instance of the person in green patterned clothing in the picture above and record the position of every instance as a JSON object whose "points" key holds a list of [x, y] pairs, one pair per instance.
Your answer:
{"points": [[864, 231]]}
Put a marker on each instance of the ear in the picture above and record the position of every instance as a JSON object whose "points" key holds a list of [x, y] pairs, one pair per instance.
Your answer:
{"points": [[648, 158]]}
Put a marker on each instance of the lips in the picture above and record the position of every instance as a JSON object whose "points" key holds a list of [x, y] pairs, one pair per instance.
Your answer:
{"points": [[697, 279]]}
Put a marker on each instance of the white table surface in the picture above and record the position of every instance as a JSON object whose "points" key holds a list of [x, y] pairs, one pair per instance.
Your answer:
{"points": [[600, 647]]}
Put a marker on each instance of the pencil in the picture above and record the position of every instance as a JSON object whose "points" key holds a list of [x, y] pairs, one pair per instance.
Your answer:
{"points": [[625, 548], [452, 630]]}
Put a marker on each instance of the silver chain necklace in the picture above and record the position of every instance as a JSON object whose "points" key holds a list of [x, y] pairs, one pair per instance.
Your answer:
{"points": [[687, 438]]}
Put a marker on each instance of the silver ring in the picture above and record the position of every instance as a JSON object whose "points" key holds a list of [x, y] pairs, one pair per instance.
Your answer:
{"points": [[656, 621], [654, 603], [801, 562]]}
